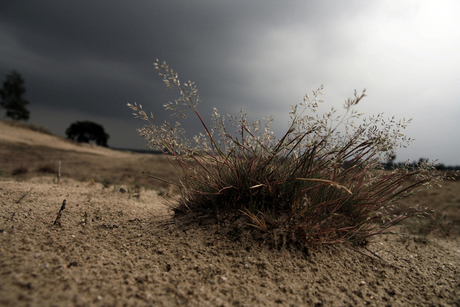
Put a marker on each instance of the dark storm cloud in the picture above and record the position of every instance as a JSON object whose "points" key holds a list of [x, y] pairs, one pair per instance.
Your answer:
{"points": [[88, 55]]}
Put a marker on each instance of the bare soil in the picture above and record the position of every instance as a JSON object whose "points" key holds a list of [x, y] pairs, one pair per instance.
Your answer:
{"points": [[117, 244]]}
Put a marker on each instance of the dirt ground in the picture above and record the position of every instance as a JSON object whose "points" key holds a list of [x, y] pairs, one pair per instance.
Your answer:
{"points": [[115, 243]]}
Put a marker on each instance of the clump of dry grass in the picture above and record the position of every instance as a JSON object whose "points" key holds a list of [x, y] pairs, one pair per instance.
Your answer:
{"points": [[20, 170], [322, 181], [48, 168], [440, 223]]}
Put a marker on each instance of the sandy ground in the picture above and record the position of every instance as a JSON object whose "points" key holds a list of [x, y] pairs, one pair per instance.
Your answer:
{"points": [[110, 248]]}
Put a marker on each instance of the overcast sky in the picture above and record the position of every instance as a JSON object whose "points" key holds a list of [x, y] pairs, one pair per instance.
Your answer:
{"points": [[85, 60]]}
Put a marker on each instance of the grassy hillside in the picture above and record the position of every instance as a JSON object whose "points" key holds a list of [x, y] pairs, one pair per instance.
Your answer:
{"points": [[28, 151]]}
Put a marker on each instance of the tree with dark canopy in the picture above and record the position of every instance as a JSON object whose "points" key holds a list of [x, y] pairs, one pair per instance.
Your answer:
{"points": [[11, 95], [87, 131]]}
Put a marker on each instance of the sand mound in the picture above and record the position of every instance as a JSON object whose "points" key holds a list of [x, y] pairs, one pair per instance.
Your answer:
{"points": [[123, 249]]}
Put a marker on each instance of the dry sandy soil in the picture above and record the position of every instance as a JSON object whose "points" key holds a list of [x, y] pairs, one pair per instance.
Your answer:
{"points": [[110, 248]]}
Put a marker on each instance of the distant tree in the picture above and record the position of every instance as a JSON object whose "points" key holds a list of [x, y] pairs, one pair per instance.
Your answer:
{"points": [[441, 167], [11, 95], [390, 162], [422, 161], [85, 132], [392, 158]]}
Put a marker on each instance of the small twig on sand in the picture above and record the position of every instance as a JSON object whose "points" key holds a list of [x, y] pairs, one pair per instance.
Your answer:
{"points": [[23, 196], [59, 173], [58, 217], [374, 254]]}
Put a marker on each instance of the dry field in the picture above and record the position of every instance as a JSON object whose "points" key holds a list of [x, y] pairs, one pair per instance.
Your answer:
{"points": [[110, 248]]}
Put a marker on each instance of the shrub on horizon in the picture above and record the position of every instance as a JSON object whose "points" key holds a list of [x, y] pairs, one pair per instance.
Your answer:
{"points": [[318, 184], [86, 132]]}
